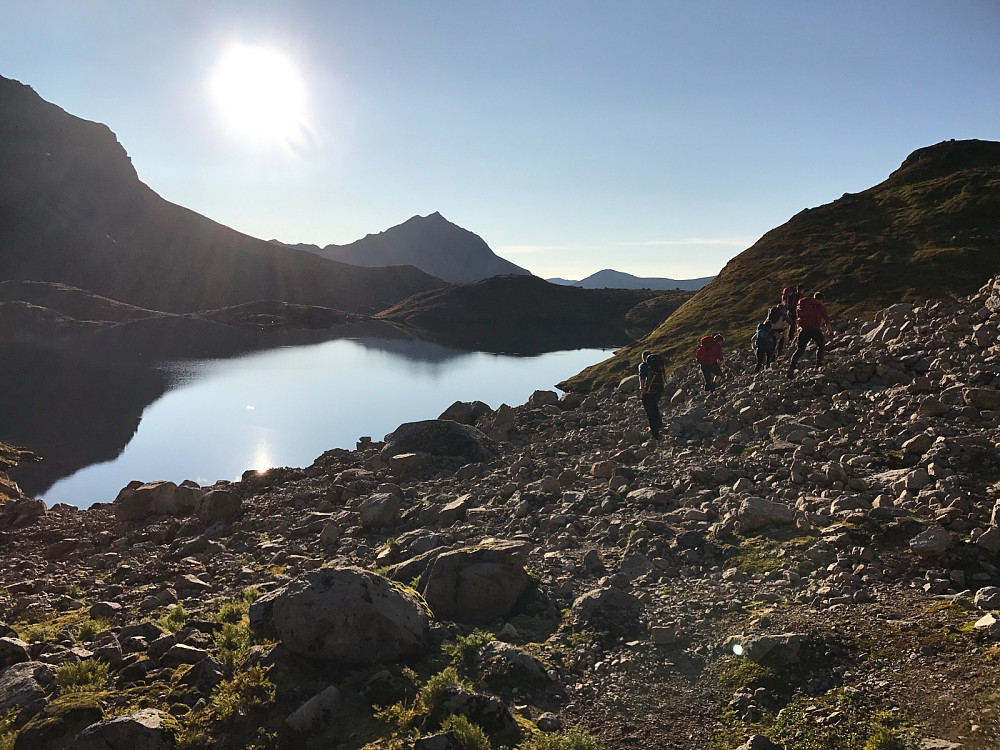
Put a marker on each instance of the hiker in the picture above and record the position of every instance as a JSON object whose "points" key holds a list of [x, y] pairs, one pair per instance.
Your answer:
{"points": [[790, 297], [651, 381], [779, 327], [811, 315], [763, 342], [709, 356]]}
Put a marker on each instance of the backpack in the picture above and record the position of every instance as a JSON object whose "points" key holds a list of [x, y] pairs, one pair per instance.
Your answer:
{"points": [[656, 375], [776, 314], [707, 351], [764, 338], [787, 293]]}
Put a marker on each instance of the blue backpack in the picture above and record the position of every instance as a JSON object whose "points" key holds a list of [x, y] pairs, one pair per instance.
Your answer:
{"points": [[764, 338]]}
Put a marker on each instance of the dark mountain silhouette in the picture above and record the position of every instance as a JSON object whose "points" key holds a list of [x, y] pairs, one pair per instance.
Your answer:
{"points": [[932, 229], [431, 243], [526, 315], [73, 211], [610, 279]]}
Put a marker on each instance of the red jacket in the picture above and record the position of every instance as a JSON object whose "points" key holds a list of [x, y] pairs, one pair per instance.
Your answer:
{"points": [[709, 351], [811, 313]]}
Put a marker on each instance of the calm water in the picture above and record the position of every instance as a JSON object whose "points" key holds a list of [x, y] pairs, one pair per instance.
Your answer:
{"points": [[285, 407]]}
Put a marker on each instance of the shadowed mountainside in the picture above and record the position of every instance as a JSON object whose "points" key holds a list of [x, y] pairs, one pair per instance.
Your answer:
{"points": [[431, 243], [524, 314], [73, 211], [932, 229]]}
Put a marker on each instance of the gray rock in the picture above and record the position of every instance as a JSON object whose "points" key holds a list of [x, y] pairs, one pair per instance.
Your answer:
{"points": [[988, 597], [488, 712], [316, 712], [379, 510], [344, 614], [138, 502], [466, 412], [757, 512], [139, 730], [440, 437], [218, 505], [23, 686], [987, 399], [479, 585], [933, 541], [13, 651]]}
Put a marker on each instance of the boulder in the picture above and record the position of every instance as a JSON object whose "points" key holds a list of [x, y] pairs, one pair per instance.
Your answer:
{"points": [[440, 437], [139, 730], [931, 542], [986, 399], [379, 510], [758, 512], [466, 412], [13, 651], [315, 712], [21, 511], [543, 398], [477, 585], [487, 711], [218, 505], [23, 686], [137, 502], [988, 597], [344, 614]]}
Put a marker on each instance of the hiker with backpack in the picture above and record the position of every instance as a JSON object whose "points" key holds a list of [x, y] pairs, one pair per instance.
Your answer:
{"points": [[779, 327], [709, 356], [652, 377], [790, 297], [811, 315], [763, 343]]}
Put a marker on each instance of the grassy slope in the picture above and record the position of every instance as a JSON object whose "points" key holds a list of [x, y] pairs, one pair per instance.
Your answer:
{"points": [[932, 229]]}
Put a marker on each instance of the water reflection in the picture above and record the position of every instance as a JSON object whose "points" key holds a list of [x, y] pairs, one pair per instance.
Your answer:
{"points": [[213, 419]]}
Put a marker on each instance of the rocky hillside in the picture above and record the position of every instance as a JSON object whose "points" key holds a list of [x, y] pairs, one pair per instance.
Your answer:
{"points": [[931, 229], [796, 564], [431, 243], [525, 314], [73, 211]]}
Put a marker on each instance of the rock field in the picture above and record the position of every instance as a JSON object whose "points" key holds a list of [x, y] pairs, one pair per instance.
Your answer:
{"points": [[807, 563]]}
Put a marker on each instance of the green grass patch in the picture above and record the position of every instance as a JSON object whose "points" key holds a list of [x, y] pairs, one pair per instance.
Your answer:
{"points": [[175, 618], [83, 676]]}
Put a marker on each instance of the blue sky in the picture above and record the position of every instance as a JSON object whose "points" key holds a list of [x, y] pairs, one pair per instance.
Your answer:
{"points": [[657, 138]]}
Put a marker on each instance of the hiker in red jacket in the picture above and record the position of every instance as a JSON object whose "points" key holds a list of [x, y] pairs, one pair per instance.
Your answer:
{"points": [[790, 297], [709, 356], [811, 315]]}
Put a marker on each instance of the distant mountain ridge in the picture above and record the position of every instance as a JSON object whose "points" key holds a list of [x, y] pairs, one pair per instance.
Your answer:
{"points": [[611, 279], [431, 243], [930, 230], [73, 211]]}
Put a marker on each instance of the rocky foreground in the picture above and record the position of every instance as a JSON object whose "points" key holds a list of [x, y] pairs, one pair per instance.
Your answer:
{"points": [[797, 564]]}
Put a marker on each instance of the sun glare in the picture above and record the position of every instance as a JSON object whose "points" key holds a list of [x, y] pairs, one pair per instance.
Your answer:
{"points": [[260, 95]]}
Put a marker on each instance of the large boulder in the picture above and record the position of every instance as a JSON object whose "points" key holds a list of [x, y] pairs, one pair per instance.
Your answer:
{"points": [[21, 511], [346, 615], [478, 585], [758, 512], [218, 505], [466, 412], [23, 686], [13, 651], [137, 502], [139, 730], [440, 437]]}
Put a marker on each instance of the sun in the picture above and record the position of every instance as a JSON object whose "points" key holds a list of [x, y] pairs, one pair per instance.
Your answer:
{"points": [[260, 94]]}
